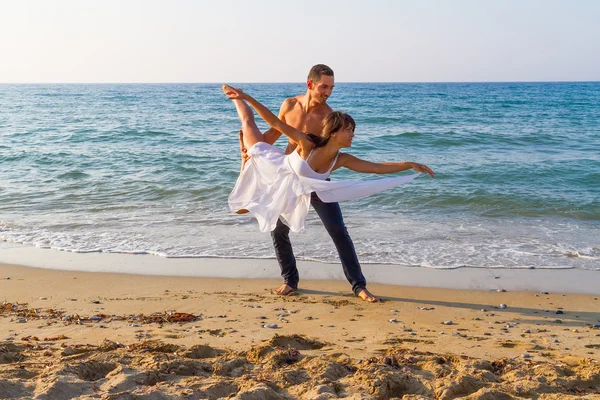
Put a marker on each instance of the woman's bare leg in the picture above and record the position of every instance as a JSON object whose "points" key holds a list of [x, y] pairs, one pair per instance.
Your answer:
{"points": [[251, 133], [243, 150]]}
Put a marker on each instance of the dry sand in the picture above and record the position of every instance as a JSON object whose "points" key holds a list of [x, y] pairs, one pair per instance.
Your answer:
{"points": [[68, 334]]}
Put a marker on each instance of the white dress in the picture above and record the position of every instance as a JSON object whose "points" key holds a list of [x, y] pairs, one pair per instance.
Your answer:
{"points": [[274, 185]]}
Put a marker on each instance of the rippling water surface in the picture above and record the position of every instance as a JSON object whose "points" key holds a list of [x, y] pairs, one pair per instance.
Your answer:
{"points": [[148, 168]]}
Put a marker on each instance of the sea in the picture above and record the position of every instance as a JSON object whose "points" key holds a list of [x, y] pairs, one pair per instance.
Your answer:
{"points": [[147, 169]]}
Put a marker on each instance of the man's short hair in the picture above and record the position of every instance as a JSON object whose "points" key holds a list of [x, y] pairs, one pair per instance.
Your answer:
{"points": [[317, 70]]}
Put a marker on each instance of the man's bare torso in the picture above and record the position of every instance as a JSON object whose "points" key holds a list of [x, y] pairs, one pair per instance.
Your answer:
{"points": [[294, 114]]}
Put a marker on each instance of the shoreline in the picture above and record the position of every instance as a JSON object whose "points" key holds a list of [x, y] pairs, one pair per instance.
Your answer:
{"points": [[471, 278]]}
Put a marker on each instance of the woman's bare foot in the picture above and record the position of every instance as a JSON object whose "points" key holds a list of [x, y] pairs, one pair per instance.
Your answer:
{"points": [[284, 290], [367, 296], [226, 88], [232, 92]]}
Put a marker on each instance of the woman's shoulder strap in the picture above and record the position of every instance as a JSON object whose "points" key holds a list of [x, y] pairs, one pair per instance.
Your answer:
{"points": [[334, 161]]}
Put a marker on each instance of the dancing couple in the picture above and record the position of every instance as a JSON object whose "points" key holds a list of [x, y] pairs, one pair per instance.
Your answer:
{"points": [[278, 187]]}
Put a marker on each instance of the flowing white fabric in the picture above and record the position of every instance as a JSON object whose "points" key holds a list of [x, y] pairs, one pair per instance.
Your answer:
{"points": [[274, 185]]}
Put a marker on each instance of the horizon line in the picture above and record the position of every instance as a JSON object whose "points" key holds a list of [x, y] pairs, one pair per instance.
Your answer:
{"points": [[281, 82]]}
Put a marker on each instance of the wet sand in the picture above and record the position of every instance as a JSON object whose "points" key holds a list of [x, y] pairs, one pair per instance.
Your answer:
{"points": [[69, 334]]}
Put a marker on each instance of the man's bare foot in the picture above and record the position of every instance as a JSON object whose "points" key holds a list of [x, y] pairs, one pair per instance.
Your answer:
{"points": [[367, 296], [284, 290]]}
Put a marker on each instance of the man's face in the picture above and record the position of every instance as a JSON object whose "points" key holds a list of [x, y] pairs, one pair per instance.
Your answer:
{"points": [[322, 89]]}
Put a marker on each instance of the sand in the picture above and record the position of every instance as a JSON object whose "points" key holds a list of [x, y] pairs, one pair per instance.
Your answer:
{"points": [[69, 334]]}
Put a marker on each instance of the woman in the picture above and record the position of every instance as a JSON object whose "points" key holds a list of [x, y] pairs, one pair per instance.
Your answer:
{"points": [[273, 185]]}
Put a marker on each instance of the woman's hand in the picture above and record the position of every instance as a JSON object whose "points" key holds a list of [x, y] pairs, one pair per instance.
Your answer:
{"points": [[233, 93], [422, 168]]}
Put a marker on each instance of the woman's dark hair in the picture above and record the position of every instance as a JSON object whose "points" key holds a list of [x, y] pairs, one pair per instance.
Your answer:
{"points": [[334, 122]]}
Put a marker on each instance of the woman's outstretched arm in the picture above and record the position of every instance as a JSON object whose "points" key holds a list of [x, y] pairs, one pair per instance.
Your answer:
{"points": [[270, 118], [358, 165]]}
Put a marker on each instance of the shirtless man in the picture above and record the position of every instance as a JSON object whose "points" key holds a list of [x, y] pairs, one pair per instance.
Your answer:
{"points": [[305, 112]]}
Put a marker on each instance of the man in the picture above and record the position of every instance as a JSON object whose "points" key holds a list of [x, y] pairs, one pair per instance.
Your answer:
{"points": [[305, 112]]}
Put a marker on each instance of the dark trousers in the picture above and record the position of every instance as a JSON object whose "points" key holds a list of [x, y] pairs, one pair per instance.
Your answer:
{"points": [[331, 215]]}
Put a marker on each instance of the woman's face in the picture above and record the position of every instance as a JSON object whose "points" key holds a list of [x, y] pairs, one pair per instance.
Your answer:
{"points": [[344, 136]]}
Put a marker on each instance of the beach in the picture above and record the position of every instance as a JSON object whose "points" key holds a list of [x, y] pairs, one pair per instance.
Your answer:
{"points": [[124, 275], [74, 334]]}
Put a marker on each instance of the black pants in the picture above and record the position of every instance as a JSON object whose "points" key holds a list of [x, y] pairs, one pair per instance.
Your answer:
{"points": [[331, 215]]}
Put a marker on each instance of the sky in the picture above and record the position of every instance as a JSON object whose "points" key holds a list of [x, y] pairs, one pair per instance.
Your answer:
{"points": [[118, 41]]}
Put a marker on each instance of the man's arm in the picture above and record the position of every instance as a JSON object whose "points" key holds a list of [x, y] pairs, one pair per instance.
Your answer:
{"points": [[270, 118], [273, 134]]}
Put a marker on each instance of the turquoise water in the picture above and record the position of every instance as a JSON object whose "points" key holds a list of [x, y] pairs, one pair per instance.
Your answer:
{"points": [[148, 168]]}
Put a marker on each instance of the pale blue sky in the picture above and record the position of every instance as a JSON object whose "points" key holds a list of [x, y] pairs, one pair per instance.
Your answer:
{"points": [[278, 40]]}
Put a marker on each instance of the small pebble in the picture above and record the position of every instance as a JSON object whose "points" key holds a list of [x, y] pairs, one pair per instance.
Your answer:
{"points": [[526, 331], [22, 320], [271, 326], [559, 312], [484, 310], [526, 355], [96, 302], [545, 293], [596, 326], [501, 290], [135, 325], [43, 298], [68, 351], [503, 306], [7, 278], [447, 322], [394, 311], [95, 318], [393, 320]]}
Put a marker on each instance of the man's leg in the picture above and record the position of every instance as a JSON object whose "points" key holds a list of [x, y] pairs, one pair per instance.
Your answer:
{"points": [[286, 259], [331, 215]]}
